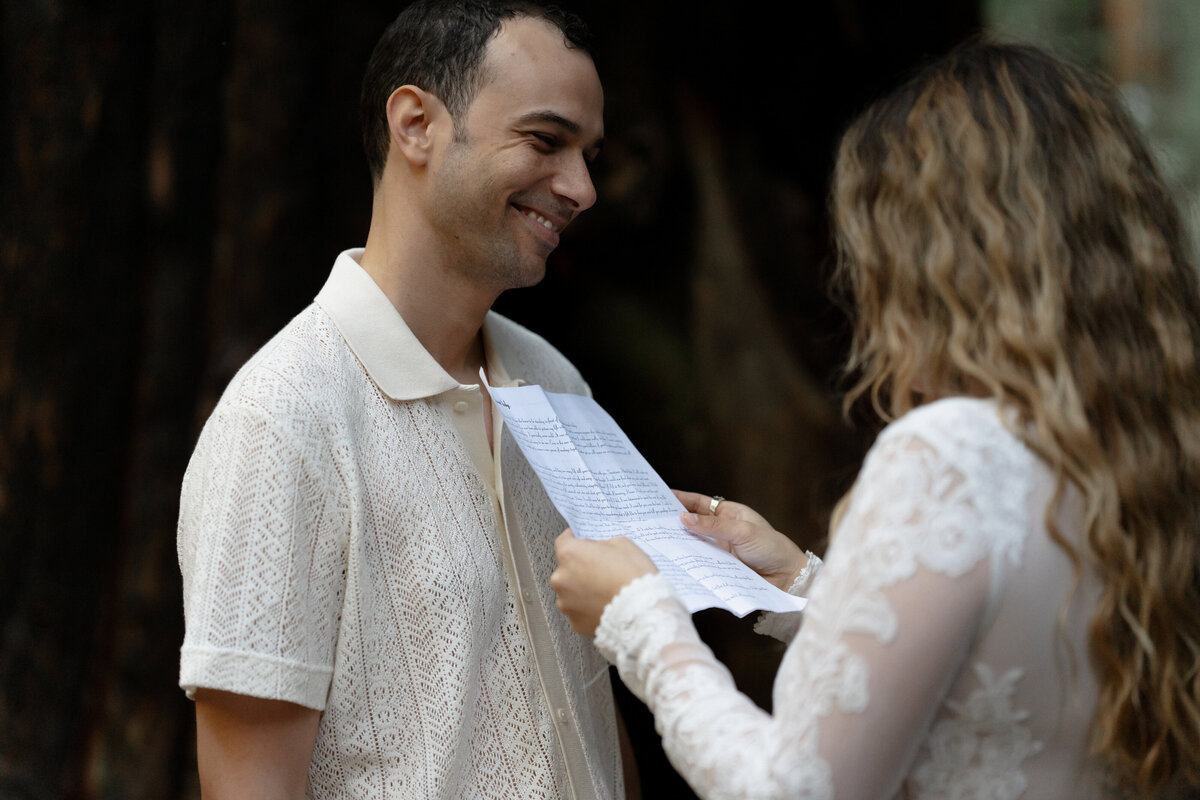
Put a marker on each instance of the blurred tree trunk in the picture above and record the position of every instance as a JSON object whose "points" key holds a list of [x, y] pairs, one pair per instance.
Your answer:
{"points": [[72, 265], [107, 219], [139, 741], [165, 208]]}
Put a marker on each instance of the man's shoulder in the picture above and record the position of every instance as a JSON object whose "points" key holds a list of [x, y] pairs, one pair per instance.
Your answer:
{"points": [[528, 355], [296, 373], [294, 401]]}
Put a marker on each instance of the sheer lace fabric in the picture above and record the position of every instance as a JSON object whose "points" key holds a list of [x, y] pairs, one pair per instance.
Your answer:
{"points": [[783, 626], [930, 662]]}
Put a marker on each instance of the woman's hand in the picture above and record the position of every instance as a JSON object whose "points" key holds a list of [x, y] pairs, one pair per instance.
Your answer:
{"points": [[590, 573], [743, 532]]}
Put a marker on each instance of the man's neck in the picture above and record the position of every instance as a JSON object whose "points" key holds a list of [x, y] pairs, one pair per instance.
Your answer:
{"points": [[441, 308]]}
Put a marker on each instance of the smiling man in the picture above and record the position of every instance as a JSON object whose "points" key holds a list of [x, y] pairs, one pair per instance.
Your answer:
{"points": [[365, 552]]}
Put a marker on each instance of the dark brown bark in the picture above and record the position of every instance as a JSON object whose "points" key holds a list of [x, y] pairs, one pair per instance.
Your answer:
{"points": [[138, 740], [71, 266]]}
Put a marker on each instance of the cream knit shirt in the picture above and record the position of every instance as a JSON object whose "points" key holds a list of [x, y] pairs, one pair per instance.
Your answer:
{"points": [[348, 543]]}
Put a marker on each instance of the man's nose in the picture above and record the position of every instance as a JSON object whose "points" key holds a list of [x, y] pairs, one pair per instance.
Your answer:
{"points": [[573, 182]]}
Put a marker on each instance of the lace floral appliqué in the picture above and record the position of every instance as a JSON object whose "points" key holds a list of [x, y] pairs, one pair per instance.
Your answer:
{"points": [[979, 748]]}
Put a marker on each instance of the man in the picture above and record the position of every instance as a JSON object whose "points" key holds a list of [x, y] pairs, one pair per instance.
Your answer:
{"points": [[365, 552]]}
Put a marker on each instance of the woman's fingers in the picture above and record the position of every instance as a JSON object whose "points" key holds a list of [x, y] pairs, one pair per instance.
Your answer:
{"points": [[563, 540], [696, 503], [702, 504], [590, 573], [725, 529], [754, 542]]}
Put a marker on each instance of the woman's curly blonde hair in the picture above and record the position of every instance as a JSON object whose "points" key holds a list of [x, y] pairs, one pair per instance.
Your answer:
{"points": [[1004, 232]]}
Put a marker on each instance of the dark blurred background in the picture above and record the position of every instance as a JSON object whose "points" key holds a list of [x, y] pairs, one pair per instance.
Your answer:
{"points": [[175, 182]]}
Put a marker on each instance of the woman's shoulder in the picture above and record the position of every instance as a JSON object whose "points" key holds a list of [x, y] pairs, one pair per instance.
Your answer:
{"points": [[960, 410], [959, 462], [972, 436], [955, 422]]}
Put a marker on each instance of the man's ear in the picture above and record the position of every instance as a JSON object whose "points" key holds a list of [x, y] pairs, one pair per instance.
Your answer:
{"points": [[415, 119]]}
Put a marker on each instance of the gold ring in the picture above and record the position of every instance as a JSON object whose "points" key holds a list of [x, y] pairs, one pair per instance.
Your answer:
{"points": [[715, 501]]}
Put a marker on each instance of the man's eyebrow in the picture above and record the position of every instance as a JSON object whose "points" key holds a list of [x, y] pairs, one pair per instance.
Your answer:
{"points": [[554, 118]]}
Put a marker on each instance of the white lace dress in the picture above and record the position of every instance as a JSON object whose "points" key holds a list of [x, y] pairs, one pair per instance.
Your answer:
{"points": [[942, 653]]}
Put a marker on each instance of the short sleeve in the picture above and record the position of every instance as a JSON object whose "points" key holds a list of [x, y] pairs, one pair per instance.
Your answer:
{"points": [[262, 550]]}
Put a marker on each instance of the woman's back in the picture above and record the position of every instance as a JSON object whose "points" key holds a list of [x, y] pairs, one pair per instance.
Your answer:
{"points": [[1005, 233], [1018, 711]]}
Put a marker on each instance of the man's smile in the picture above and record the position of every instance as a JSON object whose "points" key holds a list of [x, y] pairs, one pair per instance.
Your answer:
{"points": [[545, 225], [541, 220]]}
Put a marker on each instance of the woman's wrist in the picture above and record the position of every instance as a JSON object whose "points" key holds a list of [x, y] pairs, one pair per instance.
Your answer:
{"points": [[802, 578], [624, 610]]}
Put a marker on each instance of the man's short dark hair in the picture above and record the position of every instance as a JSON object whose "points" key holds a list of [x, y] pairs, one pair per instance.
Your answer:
{"points": [[438, 45]]}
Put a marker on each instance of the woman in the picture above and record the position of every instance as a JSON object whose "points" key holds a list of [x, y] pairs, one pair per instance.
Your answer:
{"points": [[1010, 603]]}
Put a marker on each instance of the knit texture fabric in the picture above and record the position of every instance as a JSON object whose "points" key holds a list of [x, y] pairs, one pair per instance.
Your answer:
{"points": [[340, 550]]}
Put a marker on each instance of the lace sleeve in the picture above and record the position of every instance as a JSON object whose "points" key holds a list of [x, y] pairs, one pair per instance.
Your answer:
{"points": [[904, 586], [783, 625]]}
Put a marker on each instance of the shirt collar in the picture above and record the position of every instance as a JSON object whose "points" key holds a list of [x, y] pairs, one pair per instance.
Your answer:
{"points": [[378, 336], [493, 354]]}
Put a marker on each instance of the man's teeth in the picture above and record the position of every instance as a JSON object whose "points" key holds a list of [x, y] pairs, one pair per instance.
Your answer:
{"points": [[541, 220]]}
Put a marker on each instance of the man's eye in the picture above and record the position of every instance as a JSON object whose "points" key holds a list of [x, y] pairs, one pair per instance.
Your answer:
{"points": [[546, 139]]}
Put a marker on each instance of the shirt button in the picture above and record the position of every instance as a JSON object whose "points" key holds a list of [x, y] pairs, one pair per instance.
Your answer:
{"points": [[461, 406], [528, 595], [561, 714]]}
